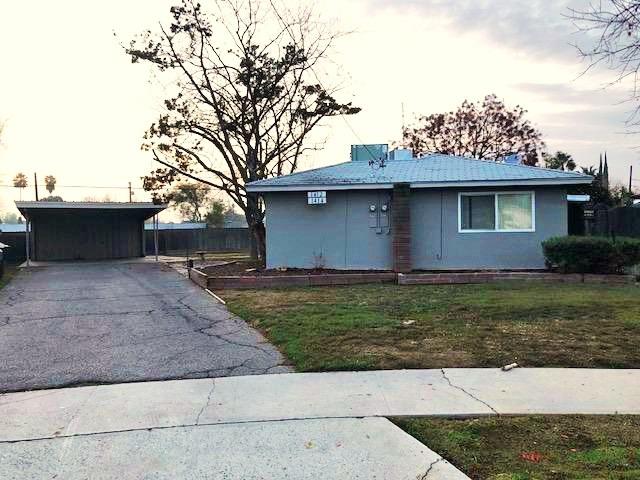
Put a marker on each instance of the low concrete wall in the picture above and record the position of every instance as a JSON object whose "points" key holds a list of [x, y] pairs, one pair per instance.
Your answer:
{"points": [[276, 281], [250, 282], [198, 277], [489, 277]]}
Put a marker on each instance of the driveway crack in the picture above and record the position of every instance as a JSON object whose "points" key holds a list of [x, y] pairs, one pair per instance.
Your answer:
{"points": [[444, 375], [213, 387], [429, 468]]}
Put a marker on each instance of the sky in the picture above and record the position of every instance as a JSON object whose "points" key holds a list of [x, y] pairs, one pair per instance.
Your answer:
{"points": [[75, 107]]}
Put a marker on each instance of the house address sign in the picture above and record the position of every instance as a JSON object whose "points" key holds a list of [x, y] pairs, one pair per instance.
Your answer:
{"points": [[316, 198]]}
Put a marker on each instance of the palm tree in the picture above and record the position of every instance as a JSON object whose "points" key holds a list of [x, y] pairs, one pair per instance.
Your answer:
{"points": [[20, 181], [50, 183], [560, 161]]}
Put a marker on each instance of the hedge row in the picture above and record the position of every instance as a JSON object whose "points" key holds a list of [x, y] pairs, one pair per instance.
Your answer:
{"points": [[591, 254]]}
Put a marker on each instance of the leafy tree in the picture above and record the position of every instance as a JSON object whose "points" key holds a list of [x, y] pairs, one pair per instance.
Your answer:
{"points": [[50, 183], [52, 198], [621, 196], [601, 193], [20, 180], [246, 98], [191, 199], [12, 218], [485, 130], [559, 161], [216, 214], [90, 198]]}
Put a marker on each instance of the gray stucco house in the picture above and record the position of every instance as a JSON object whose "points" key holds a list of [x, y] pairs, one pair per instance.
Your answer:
{"points": [[436, 212]]}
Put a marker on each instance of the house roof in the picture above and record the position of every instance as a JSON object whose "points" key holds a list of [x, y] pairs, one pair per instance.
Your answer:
{"points": [[431, 171], [12, 227], [141, 209]]}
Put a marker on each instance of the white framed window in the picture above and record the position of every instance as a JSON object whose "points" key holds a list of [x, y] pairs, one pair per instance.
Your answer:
{"points": [[496, 212]]}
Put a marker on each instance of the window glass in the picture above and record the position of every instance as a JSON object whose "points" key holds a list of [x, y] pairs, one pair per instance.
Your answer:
{"points": [[515, 211], [478, 212]]}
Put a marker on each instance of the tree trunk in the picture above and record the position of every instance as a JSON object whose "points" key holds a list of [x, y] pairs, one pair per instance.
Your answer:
{"points": [[255, 216], [258, 243]]}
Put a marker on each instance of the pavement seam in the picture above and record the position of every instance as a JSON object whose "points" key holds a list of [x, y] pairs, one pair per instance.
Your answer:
{"points": [[444, 375], [189, 425]]}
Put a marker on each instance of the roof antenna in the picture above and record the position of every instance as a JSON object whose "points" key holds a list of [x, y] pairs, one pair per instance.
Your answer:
{"points": [[403, 125]]}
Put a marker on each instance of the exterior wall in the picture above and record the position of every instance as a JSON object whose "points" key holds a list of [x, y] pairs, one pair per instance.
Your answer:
{"points": [[338, 235], [335, 235], [437, 245]]}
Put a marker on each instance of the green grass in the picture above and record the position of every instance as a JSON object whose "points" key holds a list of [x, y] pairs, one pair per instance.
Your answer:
{"points": [[571, 447], [391, 326], [10, 270]]}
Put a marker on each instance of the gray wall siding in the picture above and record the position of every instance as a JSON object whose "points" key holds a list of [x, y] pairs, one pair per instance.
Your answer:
{"points": [[436, 248], [337, 235]]}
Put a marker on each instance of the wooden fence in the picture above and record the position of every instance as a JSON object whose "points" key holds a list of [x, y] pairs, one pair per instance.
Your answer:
{"points": [[205, 239], [618, 221]]}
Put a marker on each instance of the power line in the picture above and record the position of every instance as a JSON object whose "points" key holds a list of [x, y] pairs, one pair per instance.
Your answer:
{"points": [[73, 186]]}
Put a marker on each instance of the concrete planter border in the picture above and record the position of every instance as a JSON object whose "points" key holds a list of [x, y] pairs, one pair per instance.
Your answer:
{"points": [[256, 282], [444, 278], [489, 277]]}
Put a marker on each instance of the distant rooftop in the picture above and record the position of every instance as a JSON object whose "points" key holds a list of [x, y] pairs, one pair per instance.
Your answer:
{"points": [[430, 171], [91, 205]]}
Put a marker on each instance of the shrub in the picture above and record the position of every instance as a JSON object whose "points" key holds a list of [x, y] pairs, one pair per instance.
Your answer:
{"points": [[591, 254]]}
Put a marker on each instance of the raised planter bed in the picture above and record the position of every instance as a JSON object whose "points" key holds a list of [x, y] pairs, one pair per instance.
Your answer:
{"points": [[224, 277], [488, 277], [267, 281]]}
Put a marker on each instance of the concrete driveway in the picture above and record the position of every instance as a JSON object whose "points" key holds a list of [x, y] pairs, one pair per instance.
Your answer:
{"points": [[78, 324]]}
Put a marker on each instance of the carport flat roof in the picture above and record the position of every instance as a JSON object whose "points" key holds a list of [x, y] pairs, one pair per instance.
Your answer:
{"points": [[147, 209]]}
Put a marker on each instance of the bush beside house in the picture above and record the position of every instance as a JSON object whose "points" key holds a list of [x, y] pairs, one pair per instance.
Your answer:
{"points": [[591, 254]]}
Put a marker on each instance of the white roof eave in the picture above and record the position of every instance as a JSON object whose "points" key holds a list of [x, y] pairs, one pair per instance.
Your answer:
{"points": [[456, 184]]}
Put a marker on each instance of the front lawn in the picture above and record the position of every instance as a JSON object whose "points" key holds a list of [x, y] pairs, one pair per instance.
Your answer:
{"points": [[424, 326], [540, 448]]}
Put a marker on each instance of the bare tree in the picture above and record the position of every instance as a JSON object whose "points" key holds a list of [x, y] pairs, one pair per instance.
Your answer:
{"points": [[612, 31], [247, 97], [485, 130]]}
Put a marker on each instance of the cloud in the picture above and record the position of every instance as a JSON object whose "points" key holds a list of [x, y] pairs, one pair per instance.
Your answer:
{"points": [[538, 28], [572, 94]]}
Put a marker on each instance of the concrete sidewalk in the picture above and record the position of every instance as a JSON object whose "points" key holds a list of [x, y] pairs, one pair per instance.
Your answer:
{"points": [[340, 449], [450, 392], [286, 426]]}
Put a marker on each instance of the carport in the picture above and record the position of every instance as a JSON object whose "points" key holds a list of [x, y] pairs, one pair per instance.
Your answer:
{"points": [[86, 230]]}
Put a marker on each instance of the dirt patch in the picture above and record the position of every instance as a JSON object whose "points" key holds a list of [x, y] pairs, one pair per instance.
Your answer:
{"points": [[250, 269]]}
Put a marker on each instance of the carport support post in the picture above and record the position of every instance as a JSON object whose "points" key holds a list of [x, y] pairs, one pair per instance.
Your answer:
{"points": [[27, 240], [155, 235]]}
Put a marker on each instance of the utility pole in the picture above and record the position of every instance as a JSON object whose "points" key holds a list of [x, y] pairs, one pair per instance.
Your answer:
{"points": [[630, 177], [35, 184], [130, 194]]}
